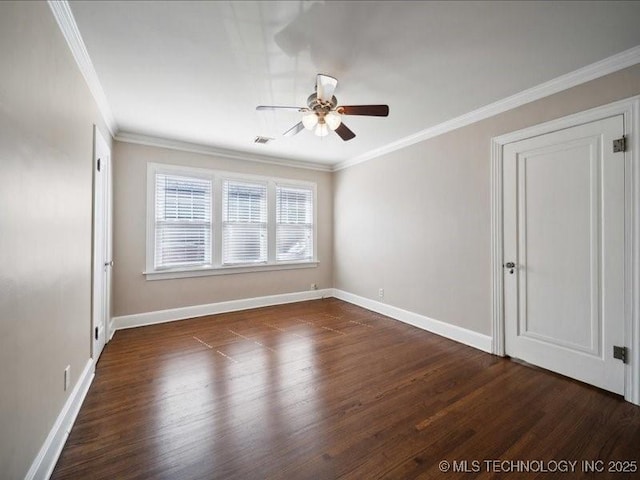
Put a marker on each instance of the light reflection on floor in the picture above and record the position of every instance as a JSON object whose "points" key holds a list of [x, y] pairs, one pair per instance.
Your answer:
{"points": [[245, 387], [183, 388]]}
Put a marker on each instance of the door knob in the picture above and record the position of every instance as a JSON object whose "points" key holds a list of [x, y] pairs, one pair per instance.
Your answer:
{"points": [[511, 266], [109, 263]]}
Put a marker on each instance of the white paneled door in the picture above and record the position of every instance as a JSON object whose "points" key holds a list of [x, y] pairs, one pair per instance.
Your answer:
{"points": [[564, 252], [102, 262]]}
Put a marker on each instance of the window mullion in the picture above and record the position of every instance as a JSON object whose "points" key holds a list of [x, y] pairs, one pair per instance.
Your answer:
{"points": [[216, 221], [271, 222]]}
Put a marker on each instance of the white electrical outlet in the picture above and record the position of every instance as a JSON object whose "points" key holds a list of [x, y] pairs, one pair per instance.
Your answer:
{"points": [[314, 286], [381, 293], [67, 375]]}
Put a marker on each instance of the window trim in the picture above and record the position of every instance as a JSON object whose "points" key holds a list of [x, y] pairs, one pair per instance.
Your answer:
{"points": [[217, 177]]}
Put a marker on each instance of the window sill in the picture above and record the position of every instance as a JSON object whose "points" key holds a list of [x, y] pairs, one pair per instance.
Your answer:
{"points": [[225, 270]]}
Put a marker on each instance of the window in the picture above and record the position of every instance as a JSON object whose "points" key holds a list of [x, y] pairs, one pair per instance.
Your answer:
{"points": [[182, 221], [244, 222], [206, 222], [294, 223]]}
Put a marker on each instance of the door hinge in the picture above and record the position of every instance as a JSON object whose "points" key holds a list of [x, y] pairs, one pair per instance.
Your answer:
{"points": [[96, 332], [620, 145], [99, 159], [620, 353]]}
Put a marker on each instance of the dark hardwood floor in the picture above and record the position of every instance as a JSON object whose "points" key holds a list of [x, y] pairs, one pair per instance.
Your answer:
{"points": [[325, 389]]}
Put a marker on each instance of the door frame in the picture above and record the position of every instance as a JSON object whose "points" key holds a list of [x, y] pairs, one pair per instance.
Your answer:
{"points": [[630, 109], [102, 198]]}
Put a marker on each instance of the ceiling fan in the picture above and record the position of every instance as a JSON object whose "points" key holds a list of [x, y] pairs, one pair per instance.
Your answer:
{"points": [[323, 114]]}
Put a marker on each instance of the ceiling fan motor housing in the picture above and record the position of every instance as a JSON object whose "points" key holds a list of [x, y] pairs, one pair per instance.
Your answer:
{"points": [[319, 105]]}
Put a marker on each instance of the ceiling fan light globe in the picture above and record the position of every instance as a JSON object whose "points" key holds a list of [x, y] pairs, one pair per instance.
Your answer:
{"points": [[309, 120], [322, 130], [333, 120]]}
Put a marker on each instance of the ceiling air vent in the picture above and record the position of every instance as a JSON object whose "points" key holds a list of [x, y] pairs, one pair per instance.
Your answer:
{"points": [[262, 140]]}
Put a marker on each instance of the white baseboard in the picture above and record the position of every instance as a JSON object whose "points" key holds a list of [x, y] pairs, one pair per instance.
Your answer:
{"points": [[112, 329], [162, 316], [453, 332], [44, 463]]}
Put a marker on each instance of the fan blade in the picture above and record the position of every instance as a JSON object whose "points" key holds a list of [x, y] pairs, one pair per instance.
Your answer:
{"points": [[298, 127], [369, 110], [325, 86], [345, 132], [278, 107]]}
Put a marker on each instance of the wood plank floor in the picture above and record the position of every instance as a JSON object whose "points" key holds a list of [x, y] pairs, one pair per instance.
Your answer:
{"points": [[324, 390]]}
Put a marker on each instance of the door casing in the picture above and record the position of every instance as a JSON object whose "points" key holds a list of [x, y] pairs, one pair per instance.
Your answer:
{"points": [[102, 244], [630, 110]]}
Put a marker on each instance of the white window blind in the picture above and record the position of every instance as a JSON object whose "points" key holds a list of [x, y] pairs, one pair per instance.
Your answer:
{"points": [[182, 221], [244, 222], [294, 223]]}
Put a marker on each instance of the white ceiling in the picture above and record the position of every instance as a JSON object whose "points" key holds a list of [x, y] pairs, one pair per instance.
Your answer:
{"points": [[195, 71]]}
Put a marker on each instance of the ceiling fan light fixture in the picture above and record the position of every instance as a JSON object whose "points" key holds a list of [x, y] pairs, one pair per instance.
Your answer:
{"points": [[309, 120], [323, 114], [321, 130], [333, 119]]}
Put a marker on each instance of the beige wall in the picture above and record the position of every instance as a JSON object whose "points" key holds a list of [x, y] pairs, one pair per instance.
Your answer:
{"points": [[134, 294], [416, 222], [46, 147]]}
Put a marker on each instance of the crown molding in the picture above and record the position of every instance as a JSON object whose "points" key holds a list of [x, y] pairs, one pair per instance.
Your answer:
{"points": [[64, 17], [181, 146], [595, 70]]}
